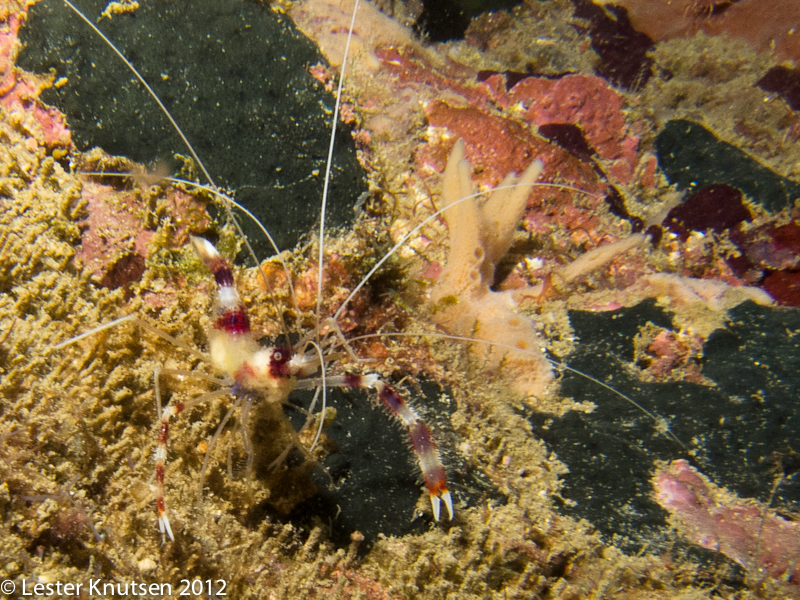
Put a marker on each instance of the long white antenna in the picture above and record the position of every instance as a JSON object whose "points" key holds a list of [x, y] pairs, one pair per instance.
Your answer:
{"points": [[328, 166]]}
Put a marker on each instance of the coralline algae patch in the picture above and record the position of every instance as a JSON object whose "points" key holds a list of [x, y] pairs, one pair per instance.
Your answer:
{"points": [[128, 221], [747, 532], [19, 90]]}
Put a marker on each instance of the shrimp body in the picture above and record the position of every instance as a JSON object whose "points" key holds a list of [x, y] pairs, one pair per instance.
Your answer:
{"points": [[233, 348], [273, 373]]}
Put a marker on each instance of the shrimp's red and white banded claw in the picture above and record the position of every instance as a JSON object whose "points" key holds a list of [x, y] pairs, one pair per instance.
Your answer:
{"points": [[273, 374], [421, 438]]}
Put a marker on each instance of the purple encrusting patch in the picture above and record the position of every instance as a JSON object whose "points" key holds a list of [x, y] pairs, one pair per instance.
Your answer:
{"points": [[624, 53], [124, 271], [234, 322], [784, 81], [570, 137], [781, 254], [656, 234], [716, 207], [784, 287], [616, 204]]}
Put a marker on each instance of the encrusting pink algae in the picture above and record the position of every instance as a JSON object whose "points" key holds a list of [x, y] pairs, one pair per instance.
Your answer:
{"points": [[747, 532], [77, 425]]}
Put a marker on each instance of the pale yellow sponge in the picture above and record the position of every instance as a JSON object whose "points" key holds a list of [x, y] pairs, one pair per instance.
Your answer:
{"points": [[463, 302]]}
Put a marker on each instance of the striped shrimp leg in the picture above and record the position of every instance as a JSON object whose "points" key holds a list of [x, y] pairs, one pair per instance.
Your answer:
{"points": [[422, 441], [163, 437], [233, 350], [231, 314], [161, 458]]}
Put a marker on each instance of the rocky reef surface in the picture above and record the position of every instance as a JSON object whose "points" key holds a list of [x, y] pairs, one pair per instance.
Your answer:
{"points": [[658, 254]]}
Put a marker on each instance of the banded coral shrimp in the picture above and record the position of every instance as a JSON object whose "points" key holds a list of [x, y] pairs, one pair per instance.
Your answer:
{"points": [[520, 542]]}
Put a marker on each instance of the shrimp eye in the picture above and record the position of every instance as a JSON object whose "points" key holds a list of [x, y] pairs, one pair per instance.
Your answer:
{"points": [[279, 363]]}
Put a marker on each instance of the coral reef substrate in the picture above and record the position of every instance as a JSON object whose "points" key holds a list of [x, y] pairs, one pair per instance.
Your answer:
{"points": [[77, 427]]}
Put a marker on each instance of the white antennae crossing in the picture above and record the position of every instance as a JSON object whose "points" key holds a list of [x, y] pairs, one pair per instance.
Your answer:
{"points": [[329, 164]]}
